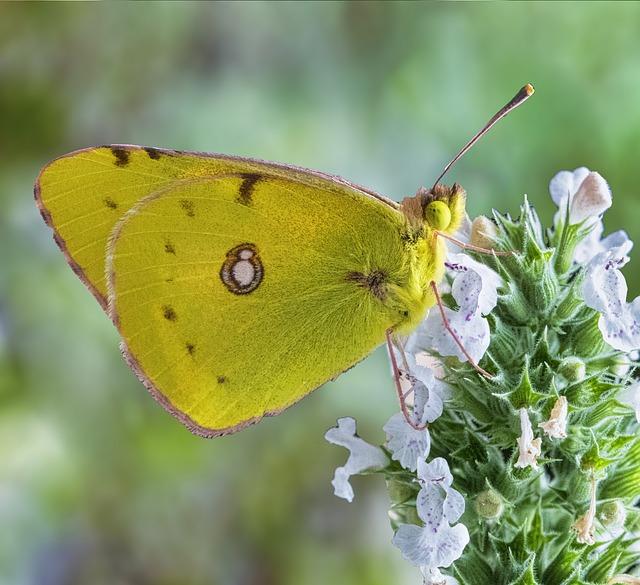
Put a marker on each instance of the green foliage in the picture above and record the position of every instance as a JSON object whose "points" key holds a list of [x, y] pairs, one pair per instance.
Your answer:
{"points": [[545, 343]]}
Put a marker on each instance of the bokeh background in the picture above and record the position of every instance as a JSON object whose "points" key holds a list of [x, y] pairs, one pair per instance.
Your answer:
{"points": [[97, 484]]}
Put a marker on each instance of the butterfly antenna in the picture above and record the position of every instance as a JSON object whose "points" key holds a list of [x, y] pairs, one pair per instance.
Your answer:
{"points": [[525, 93]]}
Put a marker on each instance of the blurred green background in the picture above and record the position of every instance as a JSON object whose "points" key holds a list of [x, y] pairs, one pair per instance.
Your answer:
{"points": [[97, 484]]}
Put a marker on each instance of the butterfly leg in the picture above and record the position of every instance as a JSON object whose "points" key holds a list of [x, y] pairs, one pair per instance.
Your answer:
{"points": [[471, 247], [397, 375], [453, 334]]}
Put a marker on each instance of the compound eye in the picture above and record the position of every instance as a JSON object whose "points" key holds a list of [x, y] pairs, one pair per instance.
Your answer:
{"points": [[438, 215]]}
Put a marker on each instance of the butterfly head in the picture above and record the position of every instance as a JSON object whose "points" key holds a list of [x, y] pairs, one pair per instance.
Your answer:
{"points": [[441, 208]]}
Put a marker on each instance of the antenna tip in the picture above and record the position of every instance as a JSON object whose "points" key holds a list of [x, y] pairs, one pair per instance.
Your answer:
{"points": [[529, 89]]}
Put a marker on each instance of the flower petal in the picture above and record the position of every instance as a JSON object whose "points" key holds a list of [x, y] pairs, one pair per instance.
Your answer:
{"points": [[436, 470], [471, 328], [529, 447], [430, 505], [453, 505], [490, 280], [434, 504], [630, 396], [429, 547], [563, 188], [592, 244], [427, 404], [451, 543], [592, 199], [433, 576], [562, 185], [556, 426], [605, 290], [362, 456], [407, 445]]}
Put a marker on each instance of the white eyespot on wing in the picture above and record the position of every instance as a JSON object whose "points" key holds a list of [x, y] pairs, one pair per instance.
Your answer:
{"points": [[243, 272]]}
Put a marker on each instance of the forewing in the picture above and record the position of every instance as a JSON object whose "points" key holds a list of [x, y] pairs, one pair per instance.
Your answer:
{"points": [[82, 195], [238, 294]]}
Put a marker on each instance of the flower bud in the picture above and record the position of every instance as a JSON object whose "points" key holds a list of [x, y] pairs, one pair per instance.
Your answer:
{"points": [[621, 365], [483, 232], [592, 198], [612, 514], [572, 369], [488, 504]]}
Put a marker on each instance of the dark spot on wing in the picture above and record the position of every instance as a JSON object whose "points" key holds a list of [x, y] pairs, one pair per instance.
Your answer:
{"points": [[375, 282], [221, 379], [169, 249], [187, 207], [153, 153], [110, 203], [168, 313], [191, 348], [168, 280], [122, 156], [245, 192]]}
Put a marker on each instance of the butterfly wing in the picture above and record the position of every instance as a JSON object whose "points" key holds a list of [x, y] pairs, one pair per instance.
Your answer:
{"points": [[237, 294], [238, 286], [82, 195]]}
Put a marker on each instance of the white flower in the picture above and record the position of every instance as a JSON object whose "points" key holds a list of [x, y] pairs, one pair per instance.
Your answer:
{"points": [[483, 232], [407, 445], [426, 392], [431, 547], [491, 281], [605, 290], [556, 426], [585, 189], [475, 291], [584, 525], [437, 544], [433, 576], [630, 396], [528, 446], [437, 499], [362, 456], [427, 404], [586, 193]]}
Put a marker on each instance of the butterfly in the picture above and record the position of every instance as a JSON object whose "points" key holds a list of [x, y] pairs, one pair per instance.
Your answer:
{"points": [[238, 286]]}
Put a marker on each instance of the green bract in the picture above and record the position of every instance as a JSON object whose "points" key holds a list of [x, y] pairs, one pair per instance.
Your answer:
{"points": [[545, 344], [546, 453]]}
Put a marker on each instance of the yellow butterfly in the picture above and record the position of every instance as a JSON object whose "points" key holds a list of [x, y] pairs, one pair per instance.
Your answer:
{"points": [[239, 286]]}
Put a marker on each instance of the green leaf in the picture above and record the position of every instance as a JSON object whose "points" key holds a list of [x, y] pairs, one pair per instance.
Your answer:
{"points": [[527, 577], [588, 391], [524, 395], [535, 537], [613, 559], [564, 564]]}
